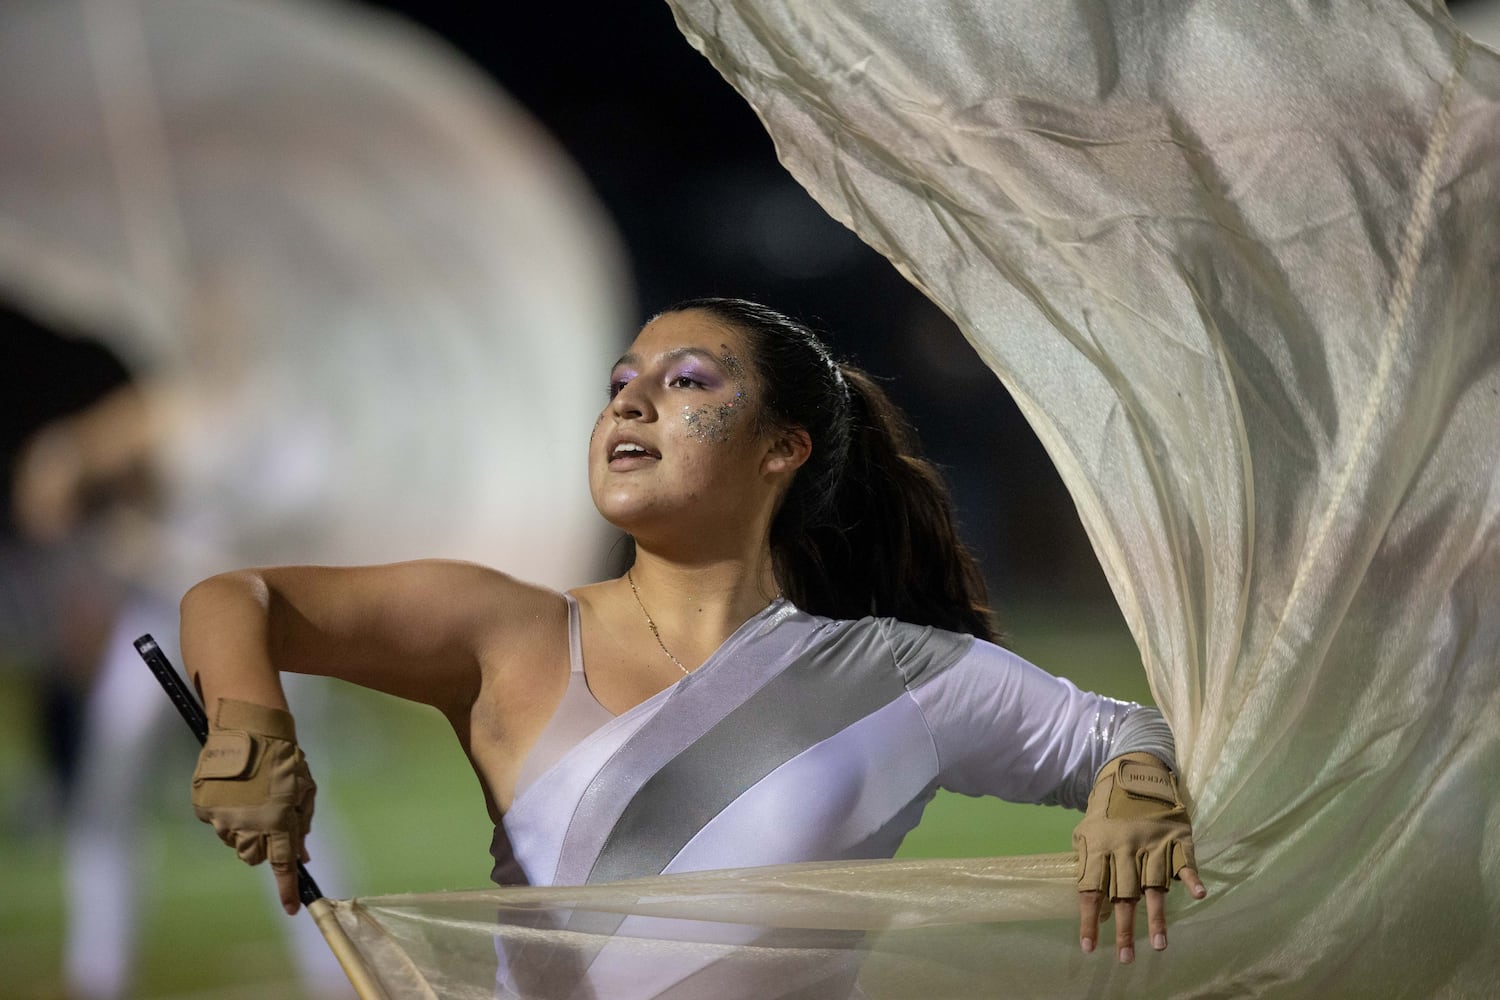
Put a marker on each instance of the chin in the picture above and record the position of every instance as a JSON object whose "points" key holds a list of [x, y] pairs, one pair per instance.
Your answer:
{"points": [[626, 513], [650, 526]]}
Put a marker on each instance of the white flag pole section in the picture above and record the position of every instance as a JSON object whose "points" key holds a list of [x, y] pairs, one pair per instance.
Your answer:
{"points": [[343, 949], [307, 889]]}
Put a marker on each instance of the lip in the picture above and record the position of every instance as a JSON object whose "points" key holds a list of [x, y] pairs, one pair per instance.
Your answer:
{"points": [[631, 460]]}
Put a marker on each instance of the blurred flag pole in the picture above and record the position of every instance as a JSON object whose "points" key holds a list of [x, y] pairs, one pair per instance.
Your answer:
{"points": [[307, 890]]}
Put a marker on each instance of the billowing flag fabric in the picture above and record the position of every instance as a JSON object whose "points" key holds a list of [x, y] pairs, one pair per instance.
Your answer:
{"points": [[1237, 263]]}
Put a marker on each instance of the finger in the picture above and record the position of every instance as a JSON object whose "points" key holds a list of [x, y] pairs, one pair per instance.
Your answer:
{"points": [[1127, 877], [1088, 919], [282, 856], [251, 847], [279, 848], [1156, 917], [1125, 930], [306, 804], [1156, 868], [1195, 885], [286, 885], [299, 849]]}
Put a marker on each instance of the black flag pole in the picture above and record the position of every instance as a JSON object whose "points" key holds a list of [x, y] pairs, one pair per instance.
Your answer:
{"points": [[192, 713], [307, 890]]}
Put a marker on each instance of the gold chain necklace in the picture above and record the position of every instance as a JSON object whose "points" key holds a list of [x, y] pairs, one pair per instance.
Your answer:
{"points": [[651, 624]]}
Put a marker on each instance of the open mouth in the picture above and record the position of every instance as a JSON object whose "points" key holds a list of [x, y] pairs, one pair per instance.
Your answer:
{"points": [[629, 452]]}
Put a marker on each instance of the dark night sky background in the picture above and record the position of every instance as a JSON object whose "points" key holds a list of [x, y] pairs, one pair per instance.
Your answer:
{"points": [[691, 179]]}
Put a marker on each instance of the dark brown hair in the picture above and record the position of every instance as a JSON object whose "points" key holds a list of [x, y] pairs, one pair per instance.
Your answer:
{"points": [[867, 525]]}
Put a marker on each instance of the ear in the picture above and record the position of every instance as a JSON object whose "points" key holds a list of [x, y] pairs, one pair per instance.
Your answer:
{"points": [[788, 451]]}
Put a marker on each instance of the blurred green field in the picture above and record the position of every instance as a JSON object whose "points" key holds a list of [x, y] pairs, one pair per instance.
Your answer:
{"points": [[413, 821]]}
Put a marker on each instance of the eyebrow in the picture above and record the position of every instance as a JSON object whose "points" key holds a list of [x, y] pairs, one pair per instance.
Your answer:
{"points": [[632, 359]]}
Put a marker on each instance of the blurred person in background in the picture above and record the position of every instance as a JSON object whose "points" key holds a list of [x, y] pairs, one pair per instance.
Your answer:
{"points": [[328, 287], [55, 606], [84, 490]]}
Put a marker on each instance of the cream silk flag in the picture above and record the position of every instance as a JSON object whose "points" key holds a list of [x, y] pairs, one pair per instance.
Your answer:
{"points": [[1238, 264]]}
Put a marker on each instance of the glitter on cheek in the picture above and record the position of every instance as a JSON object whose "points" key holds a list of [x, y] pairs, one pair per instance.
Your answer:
{"points": [[713, 422]]}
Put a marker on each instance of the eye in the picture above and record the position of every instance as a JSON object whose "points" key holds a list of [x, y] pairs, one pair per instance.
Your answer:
{"points": [[684, 381], [615, 385]]}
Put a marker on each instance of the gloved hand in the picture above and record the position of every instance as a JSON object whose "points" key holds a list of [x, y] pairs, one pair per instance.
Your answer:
{"points": [[1134, 834], [252, 784]]}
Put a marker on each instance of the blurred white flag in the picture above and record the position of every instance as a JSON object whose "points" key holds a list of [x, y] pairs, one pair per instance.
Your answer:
{"points": [[372, 290]]}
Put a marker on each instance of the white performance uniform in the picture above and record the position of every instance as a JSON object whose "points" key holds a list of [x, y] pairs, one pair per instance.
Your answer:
{"points": [[801, 739]]}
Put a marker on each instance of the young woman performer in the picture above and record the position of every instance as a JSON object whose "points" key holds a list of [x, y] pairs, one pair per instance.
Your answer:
{"points": [[797, 658]]}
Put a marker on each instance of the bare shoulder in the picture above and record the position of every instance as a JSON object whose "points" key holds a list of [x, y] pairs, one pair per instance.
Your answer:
{"points": [[428, 630], [449, 589], [512, 625], [514, 614], [589, 595], [476, 588]]}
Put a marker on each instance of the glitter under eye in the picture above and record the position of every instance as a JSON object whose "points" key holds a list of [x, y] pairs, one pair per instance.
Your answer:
{"points": [[712, 423]]}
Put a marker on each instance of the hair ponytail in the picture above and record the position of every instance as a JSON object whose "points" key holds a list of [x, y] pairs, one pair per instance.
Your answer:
{"points": [[893, 548], [867, 525]]}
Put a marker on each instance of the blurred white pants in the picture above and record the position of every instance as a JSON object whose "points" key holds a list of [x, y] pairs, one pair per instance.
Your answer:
{"points": [[126, 719]]}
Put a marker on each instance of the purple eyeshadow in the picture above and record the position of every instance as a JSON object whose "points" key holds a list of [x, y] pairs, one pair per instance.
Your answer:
{"points": [[698, 374], [618, 378]]}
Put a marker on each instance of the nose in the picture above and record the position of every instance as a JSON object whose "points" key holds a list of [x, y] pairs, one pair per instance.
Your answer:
{"points": [[633, 402]]}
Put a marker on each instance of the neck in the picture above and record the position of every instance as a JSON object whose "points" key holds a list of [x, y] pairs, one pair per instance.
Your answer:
{"points": [[698, 604]]}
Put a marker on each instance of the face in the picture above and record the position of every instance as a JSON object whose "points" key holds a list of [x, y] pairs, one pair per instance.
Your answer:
{"points": [[678, 435]]}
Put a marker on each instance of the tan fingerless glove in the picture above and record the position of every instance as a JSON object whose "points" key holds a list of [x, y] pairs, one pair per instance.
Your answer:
{"points": [[1135, 833], [252, 783]]}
